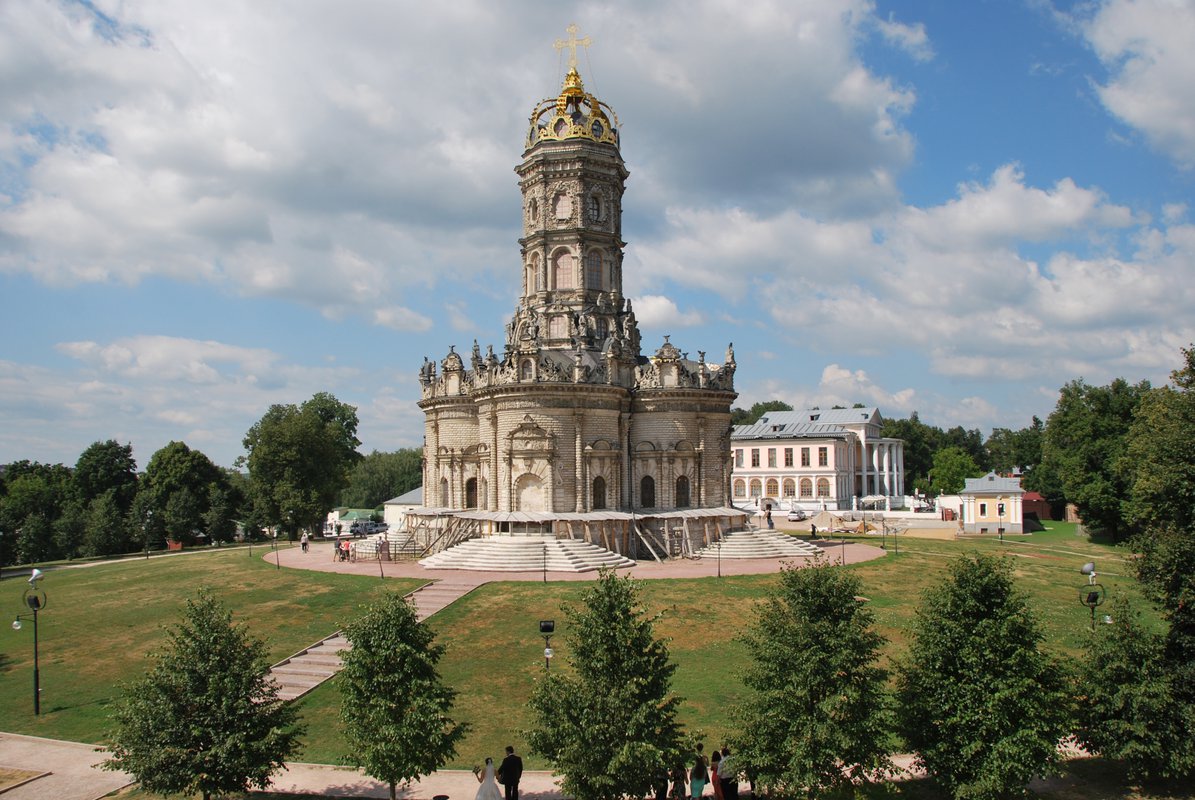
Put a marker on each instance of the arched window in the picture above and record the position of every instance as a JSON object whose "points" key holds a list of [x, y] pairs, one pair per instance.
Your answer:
{"points": [[471, 493], [740, 488], [603, 329], [444, 492], [823, 487], [562, 271], [647, 492], [773, 487], [593, 270], [558, 327], [594, 208], [756, 487], [527, 370], [806, 487], [790, 487], [682, 492], [598, 496]]}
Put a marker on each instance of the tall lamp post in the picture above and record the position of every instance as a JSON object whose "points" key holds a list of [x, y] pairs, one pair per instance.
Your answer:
{"points": [[1092, 595], [35, 600], [546, 628]]}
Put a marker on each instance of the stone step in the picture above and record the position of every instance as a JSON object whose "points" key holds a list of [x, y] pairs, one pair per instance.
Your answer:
{"points": [[760, 544], [525, 554]]}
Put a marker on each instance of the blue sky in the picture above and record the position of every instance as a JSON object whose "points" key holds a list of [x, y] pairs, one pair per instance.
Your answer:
{"points": [[953, 208]]}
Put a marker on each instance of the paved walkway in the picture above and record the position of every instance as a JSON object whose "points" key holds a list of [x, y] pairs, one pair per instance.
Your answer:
{"points": [[67, 770], [319, 558]]}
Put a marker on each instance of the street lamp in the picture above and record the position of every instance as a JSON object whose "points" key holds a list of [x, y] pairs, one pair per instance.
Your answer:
{"points": [[149, 521], [35, 600], [546, 628], [274, 544], [1000, 519], [1092, 595]]}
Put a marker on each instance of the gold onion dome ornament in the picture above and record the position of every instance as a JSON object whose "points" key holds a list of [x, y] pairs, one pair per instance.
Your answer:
{"points": [[575, 114]]}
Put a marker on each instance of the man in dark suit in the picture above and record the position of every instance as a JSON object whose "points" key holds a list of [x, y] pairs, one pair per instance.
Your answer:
{"points": [[509, 773]]}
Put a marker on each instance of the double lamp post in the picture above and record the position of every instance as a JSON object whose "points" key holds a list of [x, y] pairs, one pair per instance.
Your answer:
{"points": [[34, 599]]}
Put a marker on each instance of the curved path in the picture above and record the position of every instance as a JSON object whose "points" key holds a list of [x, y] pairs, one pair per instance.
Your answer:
{"points": [[320, 558]]}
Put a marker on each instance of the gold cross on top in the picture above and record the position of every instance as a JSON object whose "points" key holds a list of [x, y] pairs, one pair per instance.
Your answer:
{"points": [[571, 44]]}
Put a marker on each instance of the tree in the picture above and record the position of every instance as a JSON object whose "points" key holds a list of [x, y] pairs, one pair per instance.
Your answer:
{"points": [[380, 476], [1159, 456], [1131, 709], [107, 466], [980, 703], [740, 417], [952, 467], [393, 704], [207, 717], [608, 722], [107, 531], [299, 459], [1085, 438], [969, 441], [176, 492], [817, 717], [34, 498]]}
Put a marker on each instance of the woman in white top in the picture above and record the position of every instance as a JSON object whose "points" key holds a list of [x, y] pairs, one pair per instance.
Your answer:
{"points": [[489, 785]]}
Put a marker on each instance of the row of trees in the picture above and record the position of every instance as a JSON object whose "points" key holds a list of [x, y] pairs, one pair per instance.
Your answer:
{"points": [[976, 697], [301, 462]]}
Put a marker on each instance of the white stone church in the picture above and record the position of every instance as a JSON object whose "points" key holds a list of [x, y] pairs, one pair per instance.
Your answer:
{"points": [[569, 428]]}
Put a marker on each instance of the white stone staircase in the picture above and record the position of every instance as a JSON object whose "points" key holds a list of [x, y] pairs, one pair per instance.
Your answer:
{"points": [[760, 544], [307, 669], [526, 554], [311, 666]]}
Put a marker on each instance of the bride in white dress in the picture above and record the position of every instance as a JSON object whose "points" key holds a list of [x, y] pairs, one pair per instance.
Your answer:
{"points": [[489, 785]]}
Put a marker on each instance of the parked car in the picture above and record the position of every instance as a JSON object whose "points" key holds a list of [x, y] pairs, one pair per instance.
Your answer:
{"points": [[797, 515]]}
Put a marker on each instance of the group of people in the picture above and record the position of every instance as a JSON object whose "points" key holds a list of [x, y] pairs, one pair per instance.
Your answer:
{"points": [[719, 771], [508, 774]]}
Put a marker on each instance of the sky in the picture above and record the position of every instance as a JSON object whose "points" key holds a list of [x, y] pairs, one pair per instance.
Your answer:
{"points": [[931, 206]]}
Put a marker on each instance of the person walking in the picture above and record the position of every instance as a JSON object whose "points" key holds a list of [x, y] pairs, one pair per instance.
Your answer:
{"points": [[699, 774], [303, 541], [716, 773], [510, 772], [728, 775]]}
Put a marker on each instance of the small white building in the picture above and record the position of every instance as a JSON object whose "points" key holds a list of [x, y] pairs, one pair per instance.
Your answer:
{"points": [[992, 504], [817, 460], [395, 508]]}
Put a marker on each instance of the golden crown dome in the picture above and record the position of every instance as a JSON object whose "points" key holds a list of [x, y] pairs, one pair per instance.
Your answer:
{"points": [[574, 114]]}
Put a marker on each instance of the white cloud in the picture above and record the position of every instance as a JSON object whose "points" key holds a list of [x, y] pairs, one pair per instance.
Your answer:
{"points": [[656, 312], [1146, 46]]}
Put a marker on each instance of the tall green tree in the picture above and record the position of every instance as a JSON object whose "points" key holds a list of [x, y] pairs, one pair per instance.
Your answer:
{"points": [[970, 441], [34, 498], [207, 717], [952, 467], [176, 491], [1159, 456], [1132, 706], [394, 706], [608, 721], [107, 531], [817, 717], [299, 459], [380, 476], [1085, 439], [107, 466], [979, 701]]}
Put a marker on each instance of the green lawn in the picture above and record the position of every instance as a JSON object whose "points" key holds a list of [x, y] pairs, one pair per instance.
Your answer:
{"points": [[102, 620], [495, 653]]}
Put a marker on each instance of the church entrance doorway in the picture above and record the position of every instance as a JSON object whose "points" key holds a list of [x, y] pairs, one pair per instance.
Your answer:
{"points": [[471, 493], [529, 493]]}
